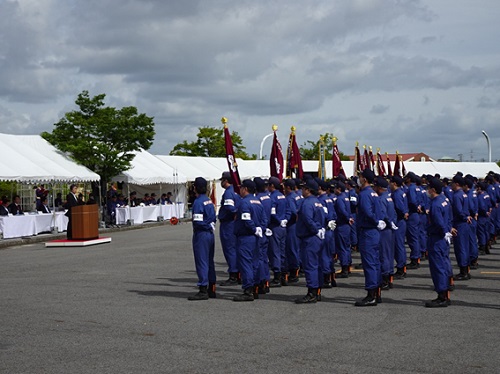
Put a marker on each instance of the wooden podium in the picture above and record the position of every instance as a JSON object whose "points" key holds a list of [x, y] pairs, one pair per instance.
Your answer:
{"points": [[85, 222]]}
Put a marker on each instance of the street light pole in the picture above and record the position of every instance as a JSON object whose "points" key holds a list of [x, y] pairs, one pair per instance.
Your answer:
{"points": [[262, 144], [489, 145]]}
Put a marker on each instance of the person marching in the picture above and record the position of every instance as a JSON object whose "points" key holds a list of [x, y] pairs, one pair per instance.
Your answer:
{"points": [[328, 245], [203, 241], [249, 228], [343, 231], [461, 221], [438, 244], [292, 242], [227, 212], [484, 212], [310, 233], [413, 222], [401, 205], [369, 226], [265, 200]]}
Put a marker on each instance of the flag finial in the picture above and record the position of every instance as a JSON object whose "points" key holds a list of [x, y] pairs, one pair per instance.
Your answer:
{"points": [[224, 121], [364, 146], [275, 127], [357, 144], [378, 149], [293, 128], [334, 140]]}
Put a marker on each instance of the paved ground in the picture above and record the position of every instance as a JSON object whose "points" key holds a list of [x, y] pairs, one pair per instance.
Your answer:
{"points": [[122, 308]]}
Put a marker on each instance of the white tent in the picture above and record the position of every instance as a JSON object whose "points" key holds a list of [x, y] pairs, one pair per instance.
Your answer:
{"points": [[31, 159]]}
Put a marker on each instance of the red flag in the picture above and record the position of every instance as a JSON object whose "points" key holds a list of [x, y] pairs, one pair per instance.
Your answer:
{"points": [[403, 169], [389, 168], [365, 160], [372, 160], [380, 164], [397, 165], [337, 168], [293, 159], [213, 195], [231, 160], [276, 160], [357, 161]]}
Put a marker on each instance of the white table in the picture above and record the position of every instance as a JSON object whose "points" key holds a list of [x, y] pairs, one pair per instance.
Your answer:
{"points": [[32, 224], [141, 214]]}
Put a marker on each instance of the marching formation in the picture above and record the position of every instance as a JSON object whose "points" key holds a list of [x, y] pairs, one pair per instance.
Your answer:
{"points": [[272, 232]]}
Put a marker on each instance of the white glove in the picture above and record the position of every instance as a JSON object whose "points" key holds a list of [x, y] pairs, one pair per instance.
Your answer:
{"points": [[283, 223], [381, 225], [212, 224], [448, 237], [258, 232], [332, 225], [269, 232], [321, 233], [393, 226], [141, 204]]}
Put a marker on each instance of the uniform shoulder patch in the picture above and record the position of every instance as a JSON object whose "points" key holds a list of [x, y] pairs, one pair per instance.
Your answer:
{"points": [[208, 202]]}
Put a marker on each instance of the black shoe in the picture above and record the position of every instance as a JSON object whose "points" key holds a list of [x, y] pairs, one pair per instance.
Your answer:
{"points": [[255, 291], [247, 295], [424, 256], [293, 279], [211, 291], [262, 288], [232, 281], [474, 264], [462, 277], [400, 273], [369, 300], [414, 264], [436, 303], [327, 281], [342, 274], [275, 283], [201, 295], [310, 298], [284, 279], [358, 266]]}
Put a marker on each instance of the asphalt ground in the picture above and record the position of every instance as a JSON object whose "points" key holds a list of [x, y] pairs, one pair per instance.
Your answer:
{"points": [[122, 308]]}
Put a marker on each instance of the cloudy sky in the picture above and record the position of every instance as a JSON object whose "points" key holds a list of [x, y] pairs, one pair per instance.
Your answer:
{"points": [[405, 75]]}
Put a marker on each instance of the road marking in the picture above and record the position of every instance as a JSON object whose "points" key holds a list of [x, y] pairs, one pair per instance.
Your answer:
{"points": [[490, 272]]}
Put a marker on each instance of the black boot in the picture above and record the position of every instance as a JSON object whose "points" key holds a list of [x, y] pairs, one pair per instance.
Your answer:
{"points": [[482, 250], [231, 281], [256, 291], [400, 273], [442, 301], [385, 282], [309, 298], [247, 295], [327, 281], [344, 273], [378, 295], [211, 291], [284, 279], [201, 295], [262, 288], [463, 275], [474, 264], [487, 248], [451, 286], [369, 300], [276, 282], [414, 264], [294, 276], [333, 281], [318, 294]]}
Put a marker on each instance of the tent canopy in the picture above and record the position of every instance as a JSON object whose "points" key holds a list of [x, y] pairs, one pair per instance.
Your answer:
{"points": [[31, 159]]}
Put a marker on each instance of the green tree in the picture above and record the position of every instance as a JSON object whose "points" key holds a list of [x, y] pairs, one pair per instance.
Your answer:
{"points": [[210, 143], [310, 150], [102, 138]]}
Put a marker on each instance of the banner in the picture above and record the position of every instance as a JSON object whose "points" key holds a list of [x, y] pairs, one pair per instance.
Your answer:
{"points": [[231, 160], [337, 168], [276, 160], [357, 165], [321, 166], [293, 158], [365, 159], [389, 167], [397, 165], [371, 160], [380, 164], [213, 194]]}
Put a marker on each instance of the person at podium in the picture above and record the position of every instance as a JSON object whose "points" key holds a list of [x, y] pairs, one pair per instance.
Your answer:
{"points": [[71, 201]]}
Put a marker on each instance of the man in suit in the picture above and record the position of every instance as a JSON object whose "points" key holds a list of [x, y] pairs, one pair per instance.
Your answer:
{"points": [[4, 210], [15, 208], [71, 201], [44, 207]]}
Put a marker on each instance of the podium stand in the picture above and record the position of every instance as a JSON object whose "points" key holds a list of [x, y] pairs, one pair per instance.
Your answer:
{"points": [[85, 222]]}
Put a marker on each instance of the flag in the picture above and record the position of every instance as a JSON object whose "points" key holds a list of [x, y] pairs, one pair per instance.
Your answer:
{"points": [[276, 160], [397, 166], [380, 164], [357, 161], [337, 168], [231, 160], [213, 194], [403, 169], [389, 168], [365, 160], [372, 160], [293, 159], [321, 166]]}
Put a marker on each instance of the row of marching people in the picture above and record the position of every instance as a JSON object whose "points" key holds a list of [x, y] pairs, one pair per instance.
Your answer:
{"points": [[284, 226]]}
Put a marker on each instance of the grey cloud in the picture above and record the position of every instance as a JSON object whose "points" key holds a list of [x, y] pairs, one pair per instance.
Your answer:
{"points": [[486, 102], [379, 109]]}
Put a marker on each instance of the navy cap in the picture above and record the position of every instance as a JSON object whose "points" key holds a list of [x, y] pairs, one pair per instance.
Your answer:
{"points": [[248, 183], [411, 175], [259, 183], [311, 185], [369, 175], [381, 182], [321, 183], [274, 181], [200, 182], [226, 175], [397, 179], [351, 183], [289, 183], [340, 184], [436, 184], [298, 182], [458, 179], [469, 182], [482, 185]]}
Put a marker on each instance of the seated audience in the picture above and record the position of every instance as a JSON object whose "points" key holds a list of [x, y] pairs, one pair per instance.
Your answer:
{"points": [[15, 208]]}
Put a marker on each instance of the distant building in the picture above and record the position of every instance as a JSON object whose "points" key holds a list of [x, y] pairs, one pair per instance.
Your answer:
{"points": [[447, 159], [407, 157]]}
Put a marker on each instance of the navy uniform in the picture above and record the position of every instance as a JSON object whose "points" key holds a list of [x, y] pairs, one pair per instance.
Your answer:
{"points": [[327, 245], [265, 200], [461, 220], [473, 212], [353, 200], [279, 219], [292, 242], [484, 209], [401, 206], [203, 241], [227, 212], [438, 243], [413, 223], [311, 233], [343, 230], [249, 227], [424, 207], [369, 224]]}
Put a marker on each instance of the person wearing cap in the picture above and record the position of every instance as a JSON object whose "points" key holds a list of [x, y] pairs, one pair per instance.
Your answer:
{"points": [[292, 242], [387, 234], [311, 233], [263, 274], [484, 211], [203, 241], [343, 230], [153, 201], [413, 222], [461, 222], [280, 214], [470, 190], [328, 245], [369, 225], [249, 227], [227, 213], [424, 209], [401, 207], [353, 201], [492, 192], [447, 191], [132, 201], [438, 243]]}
